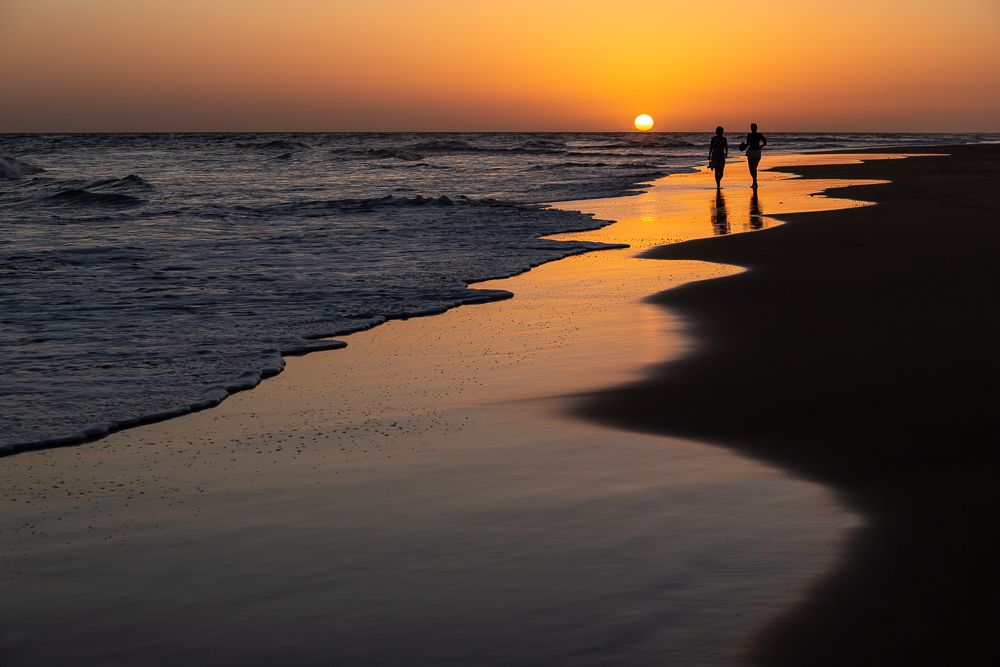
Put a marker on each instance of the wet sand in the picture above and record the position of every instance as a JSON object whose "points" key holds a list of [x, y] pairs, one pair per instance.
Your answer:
{"points": [[425, 496], [862, 345]]}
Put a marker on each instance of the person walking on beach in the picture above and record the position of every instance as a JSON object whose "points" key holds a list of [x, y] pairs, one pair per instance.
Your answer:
{"points": [[755, 141], [718, 151]]}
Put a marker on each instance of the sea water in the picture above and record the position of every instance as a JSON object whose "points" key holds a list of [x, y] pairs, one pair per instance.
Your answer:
{"points": [[146, 275]]}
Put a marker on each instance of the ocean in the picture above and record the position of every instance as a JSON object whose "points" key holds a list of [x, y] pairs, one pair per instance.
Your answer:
{"points": [[143, 276]]}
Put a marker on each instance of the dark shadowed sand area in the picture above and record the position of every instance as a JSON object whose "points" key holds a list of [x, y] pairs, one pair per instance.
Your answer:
{"points": [[863, 347]]}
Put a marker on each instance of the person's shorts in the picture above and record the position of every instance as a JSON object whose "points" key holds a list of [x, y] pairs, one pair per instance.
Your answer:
{"points": [[753, 155]]}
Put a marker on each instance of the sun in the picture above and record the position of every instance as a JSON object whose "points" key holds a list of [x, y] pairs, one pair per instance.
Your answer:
{"points": [[643, 122]]}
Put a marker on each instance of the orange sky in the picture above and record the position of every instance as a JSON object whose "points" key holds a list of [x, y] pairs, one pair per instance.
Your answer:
{"points": [[479, 65]]}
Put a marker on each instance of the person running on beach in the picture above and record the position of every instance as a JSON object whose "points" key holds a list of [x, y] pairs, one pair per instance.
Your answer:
{"points": [[755, 141], [718, 151]]}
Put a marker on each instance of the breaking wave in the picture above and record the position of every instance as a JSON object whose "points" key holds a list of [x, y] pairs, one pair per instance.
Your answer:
{"points": [[11, 168]]}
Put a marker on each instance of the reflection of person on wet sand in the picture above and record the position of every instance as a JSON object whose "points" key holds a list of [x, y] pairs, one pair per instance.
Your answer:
{"points": [[718, 151], [720, 220], [756, 212]]}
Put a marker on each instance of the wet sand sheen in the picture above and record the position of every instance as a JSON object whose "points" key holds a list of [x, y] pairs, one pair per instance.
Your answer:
{"points": [[864, 345], [422, 495]]}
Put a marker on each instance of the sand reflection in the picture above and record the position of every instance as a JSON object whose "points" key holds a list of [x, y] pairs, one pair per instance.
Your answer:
{"points": [[419, 497], [687, 206], [719, 216]]}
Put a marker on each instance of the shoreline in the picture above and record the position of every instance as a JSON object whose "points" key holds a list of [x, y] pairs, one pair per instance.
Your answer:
{"points": [[244, 375], [424, 493], [861, 343], [275, 364]]}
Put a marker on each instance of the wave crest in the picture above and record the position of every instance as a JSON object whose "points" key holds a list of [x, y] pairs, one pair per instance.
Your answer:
{"points": [[11, 167], [400, 153], [130, 181]]}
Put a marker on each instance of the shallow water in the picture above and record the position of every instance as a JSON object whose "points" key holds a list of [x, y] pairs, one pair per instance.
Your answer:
{"points": [[508, 538], [421, 497], [143, 273]]}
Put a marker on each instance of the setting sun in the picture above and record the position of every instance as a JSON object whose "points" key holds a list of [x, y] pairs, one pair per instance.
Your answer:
{"points": [[643, 122]]}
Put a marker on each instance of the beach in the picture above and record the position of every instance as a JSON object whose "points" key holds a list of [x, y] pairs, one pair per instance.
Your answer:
{"points": [[782, 431], [863, 346]]}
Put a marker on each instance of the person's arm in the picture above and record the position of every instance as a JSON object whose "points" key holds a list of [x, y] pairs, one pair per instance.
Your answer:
{"points": [[763, 141], [725, 147], [711, 145]]}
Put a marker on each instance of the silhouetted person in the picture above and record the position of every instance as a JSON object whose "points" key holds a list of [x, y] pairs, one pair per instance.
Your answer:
{"points": [[720, 220], [718, 151], [756, 212], [755, 141]]}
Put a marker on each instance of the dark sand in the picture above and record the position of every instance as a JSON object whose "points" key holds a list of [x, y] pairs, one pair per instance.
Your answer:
{"points": [[864, 345]]}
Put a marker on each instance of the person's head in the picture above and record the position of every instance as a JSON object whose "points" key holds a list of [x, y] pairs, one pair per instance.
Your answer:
{"points": [[753, 127], [719, 130]]}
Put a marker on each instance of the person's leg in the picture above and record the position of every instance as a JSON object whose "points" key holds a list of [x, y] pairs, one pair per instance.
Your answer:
{"points": [[753, 168], [718, 177]]}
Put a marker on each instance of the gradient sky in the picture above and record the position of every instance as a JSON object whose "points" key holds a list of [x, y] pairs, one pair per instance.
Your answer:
{"points": [[482, 65]]}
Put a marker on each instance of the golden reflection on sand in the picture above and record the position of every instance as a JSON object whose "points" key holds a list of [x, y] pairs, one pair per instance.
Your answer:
{"points": [[686, 206], [419, 493]]}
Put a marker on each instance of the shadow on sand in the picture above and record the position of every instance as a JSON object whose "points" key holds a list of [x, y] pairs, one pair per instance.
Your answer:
{"points": [[860, 347]]}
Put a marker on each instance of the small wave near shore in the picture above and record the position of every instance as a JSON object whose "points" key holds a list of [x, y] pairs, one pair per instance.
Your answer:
{"points": [[138, 297]]}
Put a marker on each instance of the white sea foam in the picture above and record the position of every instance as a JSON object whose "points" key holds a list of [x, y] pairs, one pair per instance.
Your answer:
{"points": [[134, 298]]}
